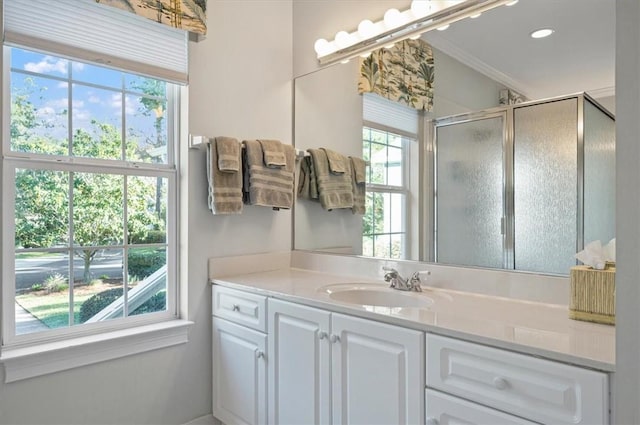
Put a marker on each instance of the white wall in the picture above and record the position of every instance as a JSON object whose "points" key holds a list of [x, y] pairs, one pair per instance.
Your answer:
{"points": [[459, 88], [330, 107], [240, 85], [627, 376]]}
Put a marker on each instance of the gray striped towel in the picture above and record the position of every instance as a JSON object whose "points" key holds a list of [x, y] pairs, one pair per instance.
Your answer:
{"points": [[334, 190], [225, 188], [358, 167], [265, 186]]}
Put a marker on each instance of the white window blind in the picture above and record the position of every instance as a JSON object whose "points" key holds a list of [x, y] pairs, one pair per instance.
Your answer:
{"points": [[92, 32], [390, 114]]}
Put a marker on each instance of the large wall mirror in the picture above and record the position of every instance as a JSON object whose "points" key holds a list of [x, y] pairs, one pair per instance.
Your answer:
{"points": [[474, 183]]}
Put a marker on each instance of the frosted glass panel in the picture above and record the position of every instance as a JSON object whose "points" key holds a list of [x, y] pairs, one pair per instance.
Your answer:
{"points": [[469, 193], [599, 175], [545, 183]]}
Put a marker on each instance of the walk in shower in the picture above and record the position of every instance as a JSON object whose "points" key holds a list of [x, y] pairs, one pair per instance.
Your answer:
{"points": [[523, 186]]}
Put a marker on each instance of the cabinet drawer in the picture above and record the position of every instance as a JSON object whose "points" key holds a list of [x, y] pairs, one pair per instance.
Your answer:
{"points": [[443, 409], [539, 390], [240, 307]]}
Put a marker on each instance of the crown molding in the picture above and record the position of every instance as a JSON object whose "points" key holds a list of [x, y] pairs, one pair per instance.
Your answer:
{"points": [[602, 92], [473, 62]]}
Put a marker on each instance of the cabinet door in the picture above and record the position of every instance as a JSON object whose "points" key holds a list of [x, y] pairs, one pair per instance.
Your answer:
{"points": [[239, 374], [299, 372], [377, 373], [443, 409]]}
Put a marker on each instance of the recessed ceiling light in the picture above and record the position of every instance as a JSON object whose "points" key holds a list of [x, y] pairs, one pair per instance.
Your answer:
{"points": [[442, 28], [542, 33], [477, 15], [511, 3]]}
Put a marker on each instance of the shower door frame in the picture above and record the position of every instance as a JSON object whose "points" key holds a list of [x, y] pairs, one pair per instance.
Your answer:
{"points": [[508, 144]]}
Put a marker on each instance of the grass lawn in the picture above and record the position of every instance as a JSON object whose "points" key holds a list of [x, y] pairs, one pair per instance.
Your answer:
{"points": [[53, 309], [23, 255]]}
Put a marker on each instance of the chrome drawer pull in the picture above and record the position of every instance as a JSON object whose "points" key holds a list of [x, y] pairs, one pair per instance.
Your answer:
{"points": [[235, 307], [260, 354], [322, 335], [335, 338], [500, 383]]}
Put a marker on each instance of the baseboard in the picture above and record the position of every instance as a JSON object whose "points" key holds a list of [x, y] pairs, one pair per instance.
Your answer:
{"points": [[204, 420]]}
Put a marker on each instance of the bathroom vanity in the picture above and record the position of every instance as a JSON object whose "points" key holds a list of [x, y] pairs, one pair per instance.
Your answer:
{"points": [[305, 347]]}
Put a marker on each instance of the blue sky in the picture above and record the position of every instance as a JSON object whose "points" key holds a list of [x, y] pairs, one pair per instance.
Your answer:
{"points": [[89, 102]]}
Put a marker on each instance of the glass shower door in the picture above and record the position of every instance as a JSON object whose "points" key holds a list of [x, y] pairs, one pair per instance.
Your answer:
{"points": [[546, 186], [469, 192]]}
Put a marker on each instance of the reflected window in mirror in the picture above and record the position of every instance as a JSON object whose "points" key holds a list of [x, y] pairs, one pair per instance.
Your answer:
{"points": [[384, 231]]}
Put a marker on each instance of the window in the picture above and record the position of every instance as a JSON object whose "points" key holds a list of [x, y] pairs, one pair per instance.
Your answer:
{"points": [[384, 224], [89, 195]]}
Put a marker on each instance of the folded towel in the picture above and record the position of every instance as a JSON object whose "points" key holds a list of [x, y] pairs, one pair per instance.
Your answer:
{"points": [[359, 168], [307, 183], [274, 156], [265, 186], [337, 162], [225, 189], [334, 190], [304, 178], [228, 150]]}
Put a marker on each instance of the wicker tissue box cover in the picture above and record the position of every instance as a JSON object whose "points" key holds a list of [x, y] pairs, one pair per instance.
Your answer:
{"points": [[593, 294]]}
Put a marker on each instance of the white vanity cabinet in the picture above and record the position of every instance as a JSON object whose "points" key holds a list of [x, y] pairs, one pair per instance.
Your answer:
{"points": [[443, 409], [239, 357], [538, 390], [327, 365]]}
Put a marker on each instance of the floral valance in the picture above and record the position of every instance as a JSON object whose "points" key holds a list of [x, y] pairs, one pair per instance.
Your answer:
{"points": [[189, 15], [403, 73]]}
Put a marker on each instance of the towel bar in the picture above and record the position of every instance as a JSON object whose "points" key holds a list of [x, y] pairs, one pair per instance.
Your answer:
{"points": [[196, 142]]}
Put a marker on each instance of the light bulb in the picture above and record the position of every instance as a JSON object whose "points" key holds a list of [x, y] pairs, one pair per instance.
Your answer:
{"points": [[393, 18], [420, 8], [343, 39], [366, 29], [444, 27], [322, 46], [437, 5]]}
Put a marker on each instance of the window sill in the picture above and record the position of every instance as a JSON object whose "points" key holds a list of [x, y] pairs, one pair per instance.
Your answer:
{"points": [[28, 362]]}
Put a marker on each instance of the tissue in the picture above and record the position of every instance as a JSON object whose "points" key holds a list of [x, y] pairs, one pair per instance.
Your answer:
{"points": [[596, 255]]}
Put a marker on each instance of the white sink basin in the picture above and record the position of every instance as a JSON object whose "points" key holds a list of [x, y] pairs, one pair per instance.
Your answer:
{"points": [[371, 294]]}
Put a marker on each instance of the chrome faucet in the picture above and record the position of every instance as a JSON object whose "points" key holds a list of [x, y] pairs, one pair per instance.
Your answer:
{"points": [[401, 284]]}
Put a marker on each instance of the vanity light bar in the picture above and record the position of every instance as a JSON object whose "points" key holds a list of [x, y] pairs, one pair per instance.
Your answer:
{"points": [[395, 27]]}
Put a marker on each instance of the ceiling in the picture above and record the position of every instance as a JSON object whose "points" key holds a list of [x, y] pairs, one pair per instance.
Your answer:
{"points": [[578, 56]]}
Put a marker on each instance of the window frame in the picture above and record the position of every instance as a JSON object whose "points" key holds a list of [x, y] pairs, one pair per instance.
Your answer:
{"points": [[14, 160], [402, 189]]}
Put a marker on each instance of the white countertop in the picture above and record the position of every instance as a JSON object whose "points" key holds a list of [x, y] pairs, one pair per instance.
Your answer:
{"points": [[533, 328]]}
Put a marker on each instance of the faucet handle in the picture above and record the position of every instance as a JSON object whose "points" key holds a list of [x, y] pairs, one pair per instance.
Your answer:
{"points": [[390, 275], [415, 280], [421, 274]]}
